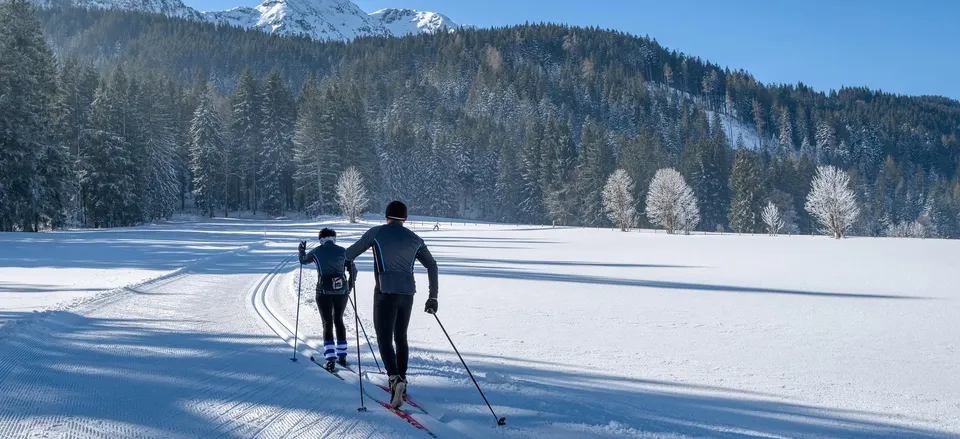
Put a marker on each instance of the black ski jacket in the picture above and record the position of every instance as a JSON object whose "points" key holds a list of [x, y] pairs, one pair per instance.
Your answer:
{"points": [[332, 264], [395, 250]]}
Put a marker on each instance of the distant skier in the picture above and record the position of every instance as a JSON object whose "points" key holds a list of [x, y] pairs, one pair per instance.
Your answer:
{"points": [[333, 289], [395, 249]]}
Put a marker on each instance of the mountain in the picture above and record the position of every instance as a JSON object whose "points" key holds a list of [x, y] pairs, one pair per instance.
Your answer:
{"points": [[411, 22], [317, 19], [170, 8]]}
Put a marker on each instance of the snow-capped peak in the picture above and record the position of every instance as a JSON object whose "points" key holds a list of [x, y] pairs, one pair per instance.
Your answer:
{"points": [[410, 22], [170, 8], [318, 19]]}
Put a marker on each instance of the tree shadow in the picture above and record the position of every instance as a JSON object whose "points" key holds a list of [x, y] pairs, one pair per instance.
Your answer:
{"points": [[464, 269], [487, 261], [580, 403], [116, 377]]}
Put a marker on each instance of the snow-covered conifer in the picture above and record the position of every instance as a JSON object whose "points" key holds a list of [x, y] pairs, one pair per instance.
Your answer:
{"points": [[206, 152]]}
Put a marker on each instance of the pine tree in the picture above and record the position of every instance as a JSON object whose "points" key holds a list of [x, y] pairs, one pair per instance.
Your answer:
{"points": [[509, 185], [245, 151], [108, 182], [78, 85], [593, 165], [760, 121], [32, 162], [276, 137], [786, 131], [530, 207], [745, 188], [317, 153], [159, 172], [207, 151]]}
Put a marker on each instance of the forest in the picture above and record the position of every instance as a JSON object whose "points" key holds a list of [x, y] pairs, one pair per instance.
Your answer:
{"points": [[114, 118]]}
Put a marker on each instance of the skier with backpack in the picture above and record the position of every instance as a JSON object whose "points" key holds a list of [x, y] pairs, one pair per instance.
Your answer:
{"points": [[395, 250], [333, 289]]}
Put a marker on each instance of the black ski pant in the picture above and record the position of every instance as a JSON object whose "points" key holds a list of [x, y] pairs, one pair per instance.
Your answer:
{"points": [[391, 316], [331, 312]]}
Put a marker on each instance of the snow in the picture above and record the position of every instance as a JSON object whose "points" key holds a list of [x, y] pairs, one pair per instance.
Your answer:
{"points": [[571, 333], [317, 19], [734, 129], [402, 22]]}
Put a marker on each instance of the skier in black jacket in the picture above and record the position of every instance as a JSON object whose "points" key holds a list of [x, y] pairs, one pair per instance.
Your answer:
{"points": [[395, 250], [333, 289]]}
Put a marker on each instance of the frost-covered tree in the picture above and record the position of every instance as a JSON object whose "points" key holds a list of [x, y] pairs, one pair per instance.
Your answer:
{"points": [[831, 201], [771, 218], [671, 202], [206, 152], [906, 229], [351, 194], [618, 200]]}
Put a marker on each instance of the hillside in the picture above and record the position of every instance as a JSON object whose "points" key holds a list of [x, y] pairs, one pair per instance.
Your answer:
{"points": [[522, 122]]}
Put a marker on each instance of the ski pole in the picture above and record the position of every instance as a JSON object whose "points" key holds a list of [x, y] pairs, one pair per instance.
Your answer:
{"points": [[356, 316], [365, 333], [296, 326], [500, 421]]}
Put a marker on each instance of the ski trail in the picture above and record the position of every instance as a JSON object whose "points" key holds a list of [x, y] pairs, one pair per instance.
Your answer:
{"points": [[189, 355]]}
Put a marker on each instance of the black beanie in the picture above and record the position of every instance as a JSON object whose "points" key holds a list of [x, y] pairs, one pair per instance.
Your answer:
{"points": [[396, 210], [327, 233]]}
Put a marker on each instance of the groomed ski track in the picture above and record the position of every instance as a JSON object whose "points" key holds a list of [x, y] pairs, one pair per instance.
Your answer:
{"points": [[179, 357]]}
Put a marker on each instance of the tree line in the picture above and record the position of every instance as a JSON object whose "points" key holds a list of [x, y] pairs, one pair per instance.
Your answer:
{"points": [[521, 124]]}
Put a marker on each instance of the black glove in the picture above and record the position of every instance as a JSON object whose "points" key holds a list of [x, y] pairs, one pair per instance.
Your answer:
{"points": [[302, 247], [431, 306]]}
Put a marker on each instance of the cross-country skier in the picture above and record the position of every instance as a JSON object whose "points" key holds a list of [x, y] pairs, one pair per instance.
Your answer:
{"points": [[395, 250], [333, 289]]}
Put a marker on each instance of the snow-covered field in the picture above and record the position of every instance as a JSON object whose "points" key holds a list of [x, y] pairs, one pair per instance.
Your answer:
{"points": [[572, 333]]}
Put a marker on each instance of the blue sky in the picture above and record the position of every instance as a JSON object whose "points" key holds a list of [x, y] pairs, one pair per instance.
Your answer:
{"points": [[899, 46]]}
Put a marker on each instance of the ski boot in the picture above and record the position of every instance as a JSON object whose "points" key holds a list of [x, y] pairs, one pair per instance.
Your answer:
{"points": [[398, 388]]}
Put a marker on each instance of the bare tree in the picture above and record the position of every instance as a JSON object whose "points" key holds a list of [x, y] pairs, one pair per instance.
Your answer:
{"points": [[671, 202], [832, 202], [351, 195], [618, 200], [771, 217]]}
